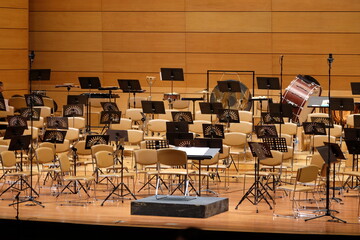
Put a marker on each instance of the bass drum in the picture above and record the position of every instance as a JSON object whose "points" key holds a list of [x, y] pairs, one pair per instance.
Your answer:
{"points": [[236, 100], [298, 93]]}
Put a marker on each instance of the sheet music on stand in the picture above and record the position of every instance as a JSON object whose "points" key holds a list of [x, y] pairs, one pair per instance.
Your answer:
{"points": [[92, 140], [269, 119], [266, 131], [156, 144], [228, 115], [314, 128], [109, 106], [213, 130], [34, 99], [73, 110], [28, 114], [326, 120], [172, 136], [110, 117], [182, 116], [57, 122], [260, 150], [276, 143], [54, 136]]}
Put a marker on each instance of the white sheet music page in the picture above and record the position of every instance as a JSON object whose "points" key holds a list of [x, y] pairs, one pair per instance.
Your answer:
{"points": [[194, 151]]}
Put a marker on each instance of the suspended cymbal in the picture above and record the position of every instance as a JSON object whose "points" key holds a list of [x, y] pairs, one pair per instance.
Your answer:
{"points": [[203, 91]]}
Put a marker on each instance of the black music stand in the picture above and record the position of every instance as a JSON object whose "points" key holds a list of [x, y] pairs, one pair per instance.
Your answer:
{"points": [[314, 128], [260, 151], [342, 104], [355, 88], [213, 130], [119, 136], [210, 108], [266, 131], [268, 83], [54, 136], [276, 143], [92, 140], [89, 83], [73, 110], [228, 116], [329, 153], [108, 118], [29, 113], [39, 74], [209, 142], [184, 142], [171, 74], [57, 123], [182, 116], [77, 99], [281, 110], [130, 86], [34, 100], [181, 126], [356, 121], [13, 131], [172, 136], [153, 107], [22, 143], [17, 121], [156, 144], [109, 106], [352, 134], [326, 120], [352, 142], [2, 103]]}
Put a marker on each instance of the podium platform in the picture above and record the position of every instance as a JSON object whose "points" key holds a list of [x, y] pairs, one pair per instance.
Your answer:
{"points": [[179, 206]]}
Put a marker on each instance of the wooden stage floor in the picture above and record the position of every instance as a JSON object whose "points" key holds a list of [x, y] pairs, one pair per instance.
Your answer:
{"points": [[245, 219]]}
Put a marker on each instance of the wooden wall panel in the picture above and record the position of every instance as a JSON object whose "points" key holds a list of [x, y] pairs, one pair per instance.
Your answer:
{"points": [[69, 61], [342, 22], [228, 5], [15, 4], [13, 18], [65, 21], [65, 5], [228, 21], [228, 42], [14, 47], [134, 38], [143, 5], [316, 43], [143, 42], [143, 21], [13, 38], [66, 41], [318, 5], [13, 59], [142, 62]]}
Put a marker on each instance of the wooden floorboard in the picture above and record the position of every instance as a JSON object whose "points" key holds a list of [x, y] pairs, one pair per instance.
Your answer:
{"points": [[244, 220]]}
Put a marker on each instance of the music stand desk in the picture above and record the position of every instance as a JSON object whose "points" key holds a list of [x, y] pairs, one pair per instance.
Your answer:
{"points": [[199, 153]]}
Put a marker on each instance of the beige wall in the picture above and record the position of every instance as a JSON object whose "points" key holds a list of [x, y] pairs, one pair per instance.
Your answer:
{"points": [[14, 46], [133, 39]]}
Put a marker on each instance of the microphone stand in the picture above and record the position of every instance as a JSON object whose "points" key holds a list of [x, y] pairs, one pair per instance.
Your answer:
{"points": [[327, 210]]}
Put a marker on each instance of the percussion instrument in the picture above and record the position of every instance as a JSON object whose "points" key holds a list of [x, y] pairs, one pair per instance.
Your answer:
{"points": [[297, 95], [236, 100], [171, 96], [100, 95]]}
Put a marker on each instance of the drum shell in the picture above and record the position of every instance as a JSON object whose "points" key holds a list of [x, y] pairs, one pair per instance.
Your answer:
{"points": [[297, 94], [171, 96]]}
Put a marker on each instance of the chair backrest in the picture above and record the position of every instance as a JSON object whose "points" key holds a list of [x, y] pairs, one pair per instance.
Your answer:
{"points": [[77, 122], [125, 124], [44, 155], [172, 157], [17, 102], [104, 159], [37, 123], [35, 132], [135, 136], [276, 160], [206, 117], [181, 104], [310, 115], [81, 150], [64, 161], [134, 114], [234, 139], [197, 127], [307, 174], [242, 126], [145, 156], [101, 147], [63, 147], [320, 139], [225, 152], [317, 160], [49, 145], [49, 102], [245, 116], [287, 128], [4, 148], [8, 158], [288, 138], [72, 134], [45, 111], [157, 125]]}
